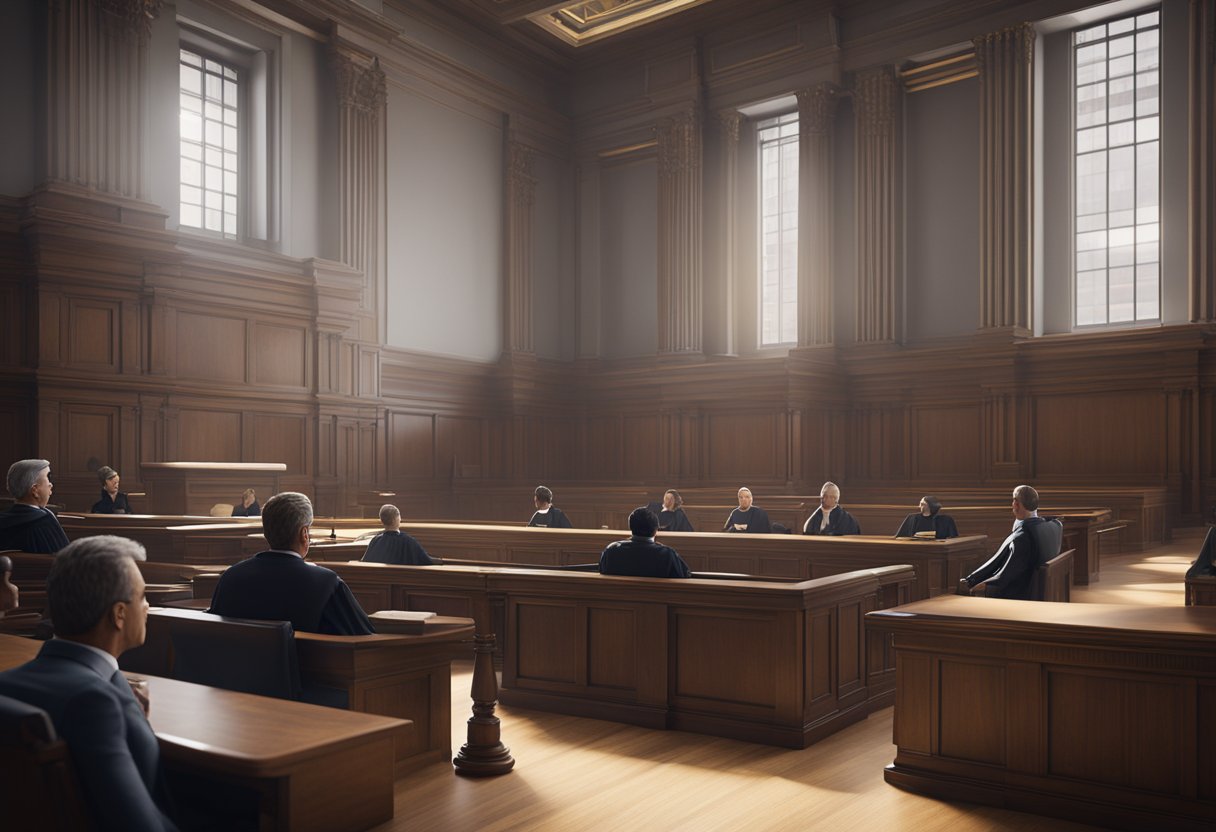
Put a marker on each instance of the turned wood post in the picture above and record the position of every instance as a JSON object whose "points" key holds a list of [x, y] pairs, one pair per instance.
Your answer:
{"points": [[484, 755]]}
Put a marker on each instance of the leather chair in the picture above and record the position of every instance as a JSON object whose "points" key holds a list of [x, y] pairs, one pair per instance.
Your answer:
{"points": [[38, 781], [234, 653]]}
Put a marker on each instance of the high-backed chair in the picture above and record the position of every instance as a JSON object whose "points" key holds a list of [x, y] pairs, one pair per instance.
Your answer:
{"points": [[38, 781], [235, 653], [1053, 579]]}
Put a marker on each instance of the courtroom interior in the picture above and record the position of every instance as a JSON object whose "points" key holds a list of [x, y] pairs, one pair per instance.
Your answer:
{"points": [[823, 284]]}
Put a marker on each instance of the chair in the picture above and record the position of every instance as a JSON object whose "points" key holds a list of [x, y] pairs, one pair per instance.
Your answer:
{"points": [[1053, 579], [234, 653], [36, 773]]}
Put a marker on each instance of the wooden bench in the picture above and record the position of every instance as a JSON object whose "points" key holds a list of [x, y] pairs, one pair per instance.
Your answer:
{"points": [[1053, 580]]}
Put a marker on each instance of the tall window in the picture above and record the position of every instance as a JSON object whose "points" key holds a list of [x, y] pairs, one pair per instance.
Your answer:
{"points": [[1118, 214], [210, 144], [778, 138]]}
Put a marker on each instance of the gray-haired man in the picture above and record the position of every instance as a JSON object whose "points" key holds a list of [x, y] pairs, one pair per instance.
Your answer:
{"points": [[29, 526]]}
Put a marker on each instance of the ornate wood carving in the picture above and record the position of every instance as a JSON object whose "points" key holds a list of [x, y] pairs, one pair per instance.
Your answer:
{"points": [[521, 194], [877, 105], [816, 119], [680, 233]]}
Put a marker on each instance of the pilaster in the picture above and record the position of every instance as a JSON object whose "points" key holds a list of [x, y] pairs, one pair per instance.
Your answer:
{"points": [[816, 120], [877, 99], [680, 314]]}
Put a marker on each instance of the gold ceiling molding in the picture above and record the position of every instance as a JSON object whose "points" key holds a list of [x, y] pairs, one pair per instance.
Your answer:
{"points": [[581, 23], [939, 72], [626, 150]]}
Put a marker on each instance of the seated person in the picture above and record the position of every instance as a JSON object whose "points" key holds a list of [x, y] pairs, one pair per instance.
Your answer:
{"points": [[112, 500], [395, 546], [29, 526], [1205, 564], [249, 505], [672, 517], [640, 556], [928, 519], [546, 513], [9, 594], [747, 518], [96, 598], [1034, 541], [829, 518], [279, 585]]}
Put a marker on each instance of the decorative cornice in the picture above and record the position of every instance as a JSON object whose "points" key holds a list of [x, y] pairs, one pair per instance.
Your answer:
{"points": [[1021, 37], [134, 15], [679, 144], [876, 93], [817, 108], [360, 87]]}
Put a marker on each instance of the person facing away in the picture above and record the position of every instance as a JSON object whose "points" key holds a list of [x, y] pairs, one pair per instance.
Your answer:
{"points": [[279, 585], [112, 500], [640, 555], [96, 598], [747, 518], [29, 526], [9, 593], [672, 517], [546, 513], [928, 519], [395, 546], [1034, 541], [829, 518], [249, 505]]}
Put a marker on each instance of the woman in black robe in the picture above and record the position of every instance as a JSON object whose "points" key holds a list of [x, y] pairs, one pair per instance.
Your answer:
{"points": [[672, 517], [928, 519], [112, 500], [748, 518]]}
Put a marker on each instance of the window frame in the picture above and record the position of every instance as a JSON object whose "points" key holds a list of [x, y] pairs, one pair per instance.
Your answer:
{"points": [[776, 120]]}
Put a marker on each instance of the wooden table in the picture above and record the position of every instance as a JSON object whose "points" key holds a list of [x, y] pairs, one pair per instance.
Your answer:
{"points": [[1098, 713], [314, 768], [194, 487]]}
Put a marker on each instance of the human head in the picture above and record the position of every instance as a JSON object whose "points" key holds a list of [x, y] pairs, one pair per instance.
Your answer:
{"points": [[1025, 502], [643, 522], [930, 506], [286, 518], [109, 478], [248, 496], [745, 498], [95, 592], [542, 497], [29, 481], [672, 500], [390, 516], [829, 495], [8, 590]]}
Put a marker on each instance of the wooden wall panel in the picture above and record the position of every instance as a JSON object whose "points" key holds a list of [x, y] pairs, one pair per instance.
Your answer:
{"points": [[1109, 434], [603, 448], [946, 442], [280, 355], [640, 448], [91, 433], [278, 439], [93, 334], [459, 448], [208, 436], [411, 446], [746, 446], [210, 347]]}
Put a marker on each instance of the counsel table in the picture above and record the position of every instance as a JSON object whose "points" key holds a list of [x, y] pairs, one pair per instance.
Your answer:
{"points": [[315, 768], [1100, 713]]}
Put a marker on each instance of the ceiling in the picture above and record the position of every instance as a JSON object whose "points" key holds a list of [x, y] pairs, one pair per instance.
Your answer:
{"points": [[577, 24]]}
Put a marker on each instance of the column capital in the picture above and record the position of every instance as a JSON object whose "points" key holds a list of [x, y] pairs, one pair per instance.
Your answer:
{"points": [[876, 93], [730, 122], [1021, 36], [134, 15], [361, 86], [679, 143], [817, 107]]}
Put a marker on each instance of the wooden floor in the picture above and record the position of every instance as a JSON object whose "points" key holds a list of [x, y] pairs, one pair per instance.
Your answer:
{"points": [[582, 774]]}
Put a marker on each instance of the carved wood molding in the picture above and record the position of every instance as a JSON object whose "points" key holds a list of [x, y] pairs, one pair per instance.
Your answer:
{"points": [[816, 121], [680, 211], [876, 99], [521, 195]]}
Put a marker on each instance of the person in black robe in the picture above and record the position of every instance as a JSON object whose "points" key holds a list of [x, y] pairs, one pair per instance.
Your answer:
{"points": [[829, 518], [279, 585], [249, 505], [10, 596], [1205, 564], [748, 518], [671, 514], [395, 546], [1034, 541], [640, 555], [928, 519], [547, 514], [29, 526], [112, 500]]}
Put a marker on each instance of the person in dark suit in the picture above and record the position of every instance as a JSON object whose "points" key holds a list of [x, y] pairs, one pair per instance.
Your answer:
{"points": [[928, 519], [640, 555], [829, 518], [547, 514], [29, 526], [279, 585], [748, 518], [395, 546], [96, 598], [1034, 541], [249, 505], [112, 500]]}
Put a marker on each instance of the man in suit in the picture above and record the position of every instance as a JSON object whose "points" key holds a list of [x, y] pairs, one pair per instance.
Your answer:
{"points": [[279, 585], [829, 518], [1034, 541], [29, 526], [395, 546], [96, 598], [640, 555]]}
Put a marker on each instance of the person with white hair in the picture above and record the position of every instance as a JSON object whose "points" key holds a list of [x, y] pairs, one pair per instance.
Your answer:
{"points": [[748, 518], [395, 546], [829, 518], [29, 526]]}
